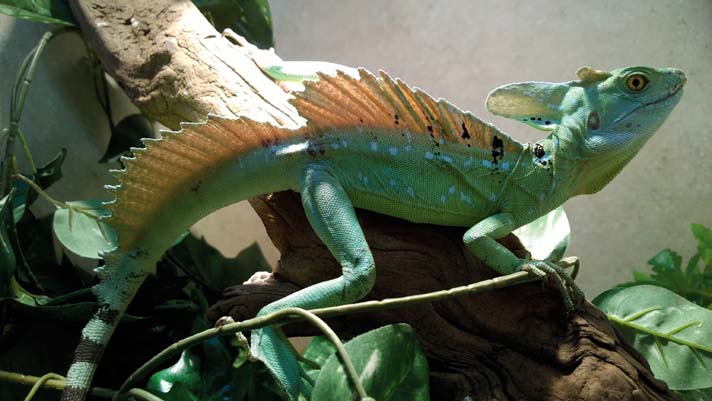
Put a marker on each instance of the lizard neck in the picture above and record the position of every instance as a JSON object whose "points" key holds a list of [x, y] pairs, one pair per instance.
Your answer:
{"points": [[584, 170]]}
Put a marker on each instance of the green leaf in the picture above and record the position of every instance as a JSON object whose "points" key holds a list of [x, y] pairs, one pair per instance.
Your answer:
{"points": [[667, 266], [81, 234], [249, 18], [666, 261], [208, 266], [696, 395], [46, 176], [704, 242], [8, 262], [52, 171], [318, 351], [19, 199], [31, 306], [184, 373], [202, 373], [46, 11], [127, 134], [546, 237], [673, 334], [390, 365]]}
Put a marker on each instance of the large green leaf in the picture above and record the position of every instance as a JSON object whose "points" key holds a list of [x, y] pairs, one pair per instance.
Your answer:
{"points": [[674, 334], [249, 18], [46, 11], [318, 351], [81, 234], [546, 237], [696, 395], [390, 364]]}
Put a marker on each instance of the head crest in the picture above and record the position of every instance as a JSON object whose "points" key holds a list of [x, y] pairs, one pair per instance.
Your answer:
{"points": [[590, 75]]}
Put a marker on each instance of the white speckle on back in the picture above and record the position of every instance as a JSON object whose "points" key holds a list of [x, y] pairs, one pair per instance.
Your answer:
{"points": [[411, 191], [374, 146], [443, 198], [335, 145], [493, 197], [408, 148], [487, 163], [393, 151], [504, 166], [451, 189], [465, 198], [392, 182], [290, 149], [429, 155], [446, 159], [468, 162], [344, 143]]}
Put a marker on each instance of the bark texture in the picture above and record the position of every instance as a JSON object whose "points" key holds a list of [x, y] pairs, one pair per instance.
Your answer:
{"points": [[511, 344]]}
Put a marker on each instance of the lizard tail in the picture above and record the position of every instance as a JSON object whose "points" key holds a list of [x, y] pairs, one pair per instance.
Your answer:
{"points": [[164, 189], [113, 294]]}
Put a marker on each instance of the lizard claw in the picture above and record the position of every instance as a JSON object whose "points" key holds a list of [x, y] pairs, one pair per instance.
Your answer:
{"points": [[548, 271]]}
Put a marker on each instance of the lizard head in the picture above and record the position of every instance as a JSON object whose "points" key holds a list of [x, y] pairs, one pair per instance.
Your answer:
{"points": [[605, 117]]}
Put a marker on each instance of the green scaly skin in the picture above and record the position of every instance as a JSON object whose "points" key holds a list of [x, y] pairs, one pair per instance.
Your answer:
{"points": [[597, 124]]}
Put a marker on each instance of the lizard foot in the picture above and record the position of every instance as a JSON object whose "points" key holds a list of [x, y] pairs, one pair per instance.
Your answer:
{"points": [[546, 271]]}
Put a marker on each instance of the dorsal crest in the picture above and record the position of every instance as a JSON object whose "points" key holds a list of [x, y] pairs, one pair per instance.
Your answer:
{"points": [[390, 105]]}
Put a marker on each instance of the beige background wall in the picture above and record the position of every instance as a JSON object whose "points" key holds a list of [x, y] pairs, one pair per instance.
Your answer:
{"points": [[458, 50]]}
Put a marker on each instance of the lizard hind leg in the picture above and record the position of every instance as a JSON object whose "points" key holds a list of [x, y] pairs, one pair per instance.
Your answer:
{"points": [[333, 218]]}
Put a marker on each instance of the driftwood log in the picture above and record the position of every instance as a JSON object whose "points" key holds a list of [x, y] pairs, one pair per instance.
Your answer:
{"points": [[509, 344]]}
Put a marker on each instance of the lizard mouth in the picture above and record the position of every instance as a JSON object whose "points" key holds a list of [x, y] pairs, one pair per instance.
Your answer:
{"points": [[671, 96], [674, 91]]}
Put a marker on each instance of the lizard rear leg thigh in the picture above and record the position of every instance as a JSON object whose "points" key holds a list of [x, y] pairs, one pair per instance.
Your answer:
{"points": [[333, 218]]}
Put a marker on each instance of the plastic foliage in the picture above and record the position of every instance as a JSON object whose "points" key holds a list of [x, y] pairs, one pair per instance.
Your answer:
{"points": [[672, 333], [389, 361], [546, 237]]}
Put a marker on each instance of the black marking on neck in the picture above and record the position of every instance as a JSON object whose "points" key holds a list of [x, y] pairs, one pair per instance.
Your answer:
{"points": [[497, 149]]}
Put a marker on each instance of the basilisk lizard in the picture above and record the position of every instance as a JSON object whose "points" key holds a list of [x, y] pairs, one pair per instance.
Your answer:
{"points": [[373, 142]]}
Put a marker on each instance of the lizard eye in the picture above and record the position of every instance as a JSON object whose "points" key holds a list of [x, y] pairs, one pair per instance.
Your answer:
{"points": [[636, 82]]}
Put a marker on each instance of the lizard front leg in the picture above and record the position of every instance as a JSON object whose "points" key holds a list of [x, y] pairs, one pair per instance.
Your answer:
{"points": [[333, 218], [480, 240]]}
